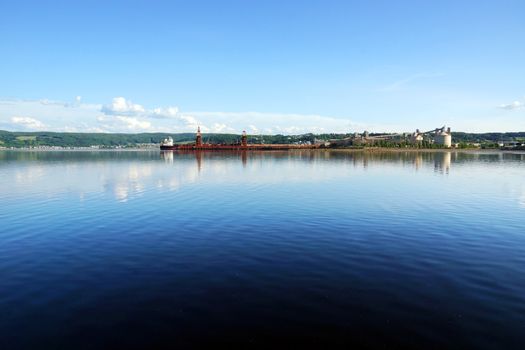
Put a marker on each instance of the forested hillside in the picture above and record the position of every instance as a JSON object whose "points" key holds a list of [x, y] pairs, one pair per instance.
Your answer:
{"points": [[62, 139]]}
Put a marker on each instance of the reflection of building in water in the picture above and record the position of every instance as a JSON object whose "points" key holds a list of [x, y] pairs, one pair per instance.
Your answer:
{"points": [[442, 162], [447, 159], [418, 161]]}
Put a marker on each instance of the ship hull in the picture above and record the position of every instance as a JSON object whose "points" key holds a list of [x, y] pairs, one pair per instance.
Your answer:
{"points": [[211, 147]]}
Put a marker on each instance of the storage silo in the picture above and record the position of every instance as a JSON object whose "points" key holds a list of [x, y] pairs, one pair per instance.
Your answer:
{"points": [[443, 138]]}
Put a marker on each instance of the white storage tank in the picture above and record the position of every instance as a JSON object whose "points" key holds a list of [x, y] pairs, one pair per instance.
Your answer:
{"points": [[443, 138]]}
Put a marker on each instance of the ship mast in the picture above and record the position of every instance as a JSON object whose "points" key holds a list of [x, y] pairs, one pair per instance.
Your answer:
{"points": [[244, 139], [198, 139]]}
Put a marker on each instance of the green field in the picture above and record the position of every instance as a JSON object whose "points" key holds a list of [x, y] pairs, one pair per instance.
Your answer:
{"points": [[26, 138]]}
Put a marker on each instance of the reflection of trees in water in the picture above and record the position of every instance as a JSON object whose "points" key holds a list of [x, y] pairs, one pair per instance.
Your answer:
{"points": [[78, 156], [439, 161], [409, 157]]}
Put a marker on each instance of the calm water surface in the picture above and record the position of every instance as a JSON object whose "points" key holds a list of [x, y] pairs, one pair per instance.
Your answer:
{"points": [[143, 249]]}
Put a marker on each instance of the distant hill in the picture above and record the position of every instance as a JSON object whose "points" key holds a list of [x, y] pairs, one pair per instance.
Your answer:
{"points": [[488, 136], [62, 139], [66, 139]]}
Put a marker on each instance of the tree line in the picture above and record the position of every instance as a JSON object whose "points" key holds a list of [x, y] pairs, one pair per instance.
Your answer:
{"points": [[110, 140]]}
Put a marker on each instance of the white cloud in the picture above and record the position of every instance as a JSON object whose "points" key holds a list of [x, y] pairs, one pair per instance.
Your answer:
{"points": [[282, 123], [122, 123], [134, 124], [52, 115], [121, 106], [165, 113], [70, 129], [512, 106], [28, 123], [221, 128], [174, 116], [75, 103], [189, 121], [47, 102], [220, 122], [122, 115]]}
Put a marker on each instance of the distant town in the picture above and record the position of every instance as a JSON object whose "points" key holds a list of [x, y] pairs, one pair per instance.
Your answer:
{"points": [[442, 137]]}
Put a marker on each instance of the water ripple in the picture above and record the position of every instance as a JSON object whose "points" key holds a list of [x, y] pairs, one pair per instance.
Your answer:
{"points": [[347, 248]]}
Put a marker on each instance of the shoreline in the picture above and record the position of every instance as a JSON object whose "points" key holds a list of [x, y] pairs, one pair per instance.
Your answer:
{"points": [[348, 150], [427, 150]]}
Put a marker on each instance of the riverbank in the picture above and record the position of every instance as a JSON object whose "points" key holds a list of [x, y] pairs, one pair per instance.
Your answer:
{"points": [[352, 150], [427, 150]]}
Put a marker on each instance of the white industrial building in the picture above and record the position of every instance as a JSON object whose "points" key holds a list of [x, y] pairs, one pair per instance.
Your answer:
{"points": [[443, 137]]}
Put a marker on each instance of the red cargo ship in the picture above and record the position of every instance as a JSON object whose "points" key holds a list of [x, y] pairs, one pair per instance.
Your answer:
{"points": [[168, 145]]}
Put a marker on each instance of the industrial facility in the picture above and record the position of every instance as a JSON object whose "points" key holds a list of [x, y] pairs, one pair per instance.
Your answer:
{"points": [[441, 137], [438, 136]]}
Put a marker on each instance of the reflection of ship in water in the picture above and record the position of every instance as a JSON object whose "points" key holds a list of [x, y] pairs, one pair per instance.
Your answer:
{"points": [[169, 145], [244, 158], [168, 157], [198, 157], [438, 161]]}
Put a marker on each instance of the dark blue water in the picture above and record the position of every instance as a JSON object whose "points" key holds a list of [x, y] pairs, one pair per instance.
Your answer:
{"points": [[146, 250]]}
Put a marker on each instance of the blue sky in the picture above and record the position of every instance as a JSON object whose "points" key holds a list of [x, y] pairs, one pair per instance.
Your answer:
{"points": [[264, 66]]}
